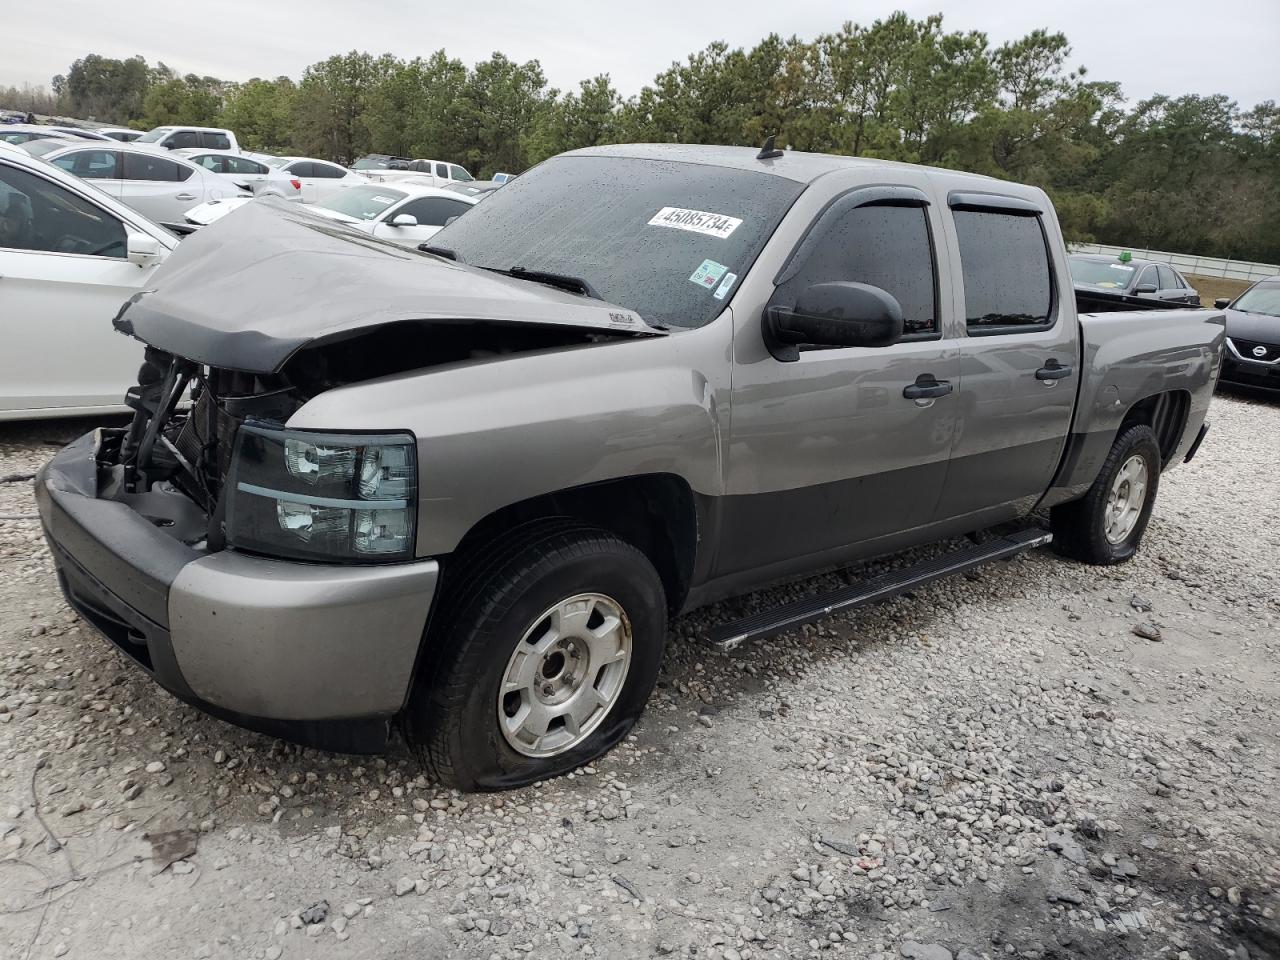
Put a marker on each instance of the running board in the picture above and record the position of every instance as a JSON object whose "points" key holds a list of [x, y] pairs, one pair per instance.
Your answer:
{"points": [[770, 622]]}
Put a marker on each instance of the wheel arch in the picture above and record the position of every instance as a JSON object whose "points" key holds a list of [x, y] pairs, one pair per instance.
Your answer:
{"points": [[657, 513], [1166, 414]]}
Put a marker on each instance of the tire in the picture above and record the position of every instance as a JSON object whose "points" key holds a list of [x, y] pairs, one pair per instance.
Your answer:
{"points": [[1080, 528], [497, 615]]}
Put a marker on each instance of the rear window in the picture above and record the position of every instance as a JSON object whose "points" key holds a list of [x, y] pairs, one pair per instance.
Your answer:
{"points": [[1004, 259]]}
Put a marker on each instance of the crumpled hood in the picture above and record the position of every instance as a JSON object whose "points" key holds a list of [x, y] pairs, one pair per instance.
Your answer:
{"points": [[248, 291]]}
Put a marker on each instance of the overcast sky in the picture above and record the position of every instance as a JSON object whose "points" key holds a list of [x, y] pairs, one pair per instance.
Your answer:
{"points": [[1175, 47]]}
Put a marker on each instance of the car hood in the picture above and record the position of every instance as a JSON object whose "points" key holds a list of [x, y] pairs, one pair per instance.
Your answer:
{"points": [[1253, 326], [248, 291]]}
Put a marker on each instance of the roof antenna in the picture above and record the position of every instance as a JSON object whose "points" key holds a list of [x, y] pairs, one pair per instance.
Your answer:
{"points": [[769, 151]]}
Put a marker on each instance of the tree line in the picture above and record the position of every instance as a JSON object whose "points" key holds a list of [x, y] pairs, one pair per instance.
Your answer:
{"points": [[1196, 174]]}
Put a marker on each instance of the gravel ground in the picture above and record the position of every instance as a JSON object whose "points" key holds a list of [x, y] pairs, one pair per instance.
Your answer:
{"points": [[1042, 760]]}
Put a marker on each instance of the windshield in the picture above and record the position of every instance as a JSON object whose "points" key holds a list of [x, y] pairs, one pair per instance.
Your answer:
{"points": [[362, 203], [155, 135], [1109, 275], [666, 239], [1262, 297]]}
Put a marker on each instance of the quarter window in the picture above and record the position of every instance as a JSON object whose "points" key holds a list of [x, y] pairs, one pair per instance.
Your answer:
{"points": [[1005, 263], [39, 215], [881, 245]]}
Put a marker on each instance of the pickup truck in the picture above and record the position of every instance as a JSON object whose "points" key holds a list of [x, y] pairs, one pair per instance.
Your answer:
{"points": [[460, 491]]}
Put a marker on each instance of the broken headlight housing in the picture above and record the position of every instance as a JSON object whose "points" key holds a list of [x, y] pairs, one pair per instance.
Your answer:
{"points": [[338, 498]]}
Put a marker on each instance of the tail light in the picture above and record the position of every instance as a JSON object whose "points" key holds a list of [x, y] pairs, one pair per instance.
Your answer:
{"points": [[297, 184]]}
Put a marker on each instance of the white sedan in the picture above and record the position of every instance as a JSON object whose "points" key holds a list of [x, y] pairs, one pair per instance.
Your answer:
{"points": [[70, 256], [261, 178], [158, 185], [319, 178], [404, 213]]}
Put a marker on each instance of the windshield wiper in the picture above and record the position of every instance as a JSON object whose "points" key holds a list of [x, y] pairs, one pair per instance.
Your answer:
{"points": [[561, 281], [440, 252]]}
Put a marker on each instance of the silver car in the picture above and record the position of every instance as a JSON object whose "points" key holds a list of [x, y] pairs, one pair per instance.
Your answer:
{"points": [[158, 185], [257, 176]]}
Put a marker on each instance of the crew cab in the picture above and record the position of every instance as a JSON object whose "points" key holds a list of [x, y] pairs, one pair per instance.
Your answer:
{"points": [[460, 491]]}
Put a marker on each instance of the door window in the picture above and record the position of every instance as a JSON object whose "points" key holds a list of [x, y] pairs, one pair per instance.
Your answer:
{"points": [[327, 171], [91, 164], [442, 171], [1168, 279], [881, 245], [300, 168], [215, 141], [1004, 259], [143, 166], [434, 211], [243, 165], [37, 214], [183, 139], [211, 161]]}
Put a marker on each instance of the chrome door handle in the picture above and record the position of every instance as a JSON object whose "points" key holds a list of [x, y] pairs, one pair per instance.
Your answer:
{"points": [[185, 196]]}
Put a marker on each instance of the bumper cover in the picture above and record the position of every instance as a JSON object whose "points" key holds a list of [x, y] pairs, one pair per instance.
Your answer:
{"points": [[1261, 376], [321, 655]]}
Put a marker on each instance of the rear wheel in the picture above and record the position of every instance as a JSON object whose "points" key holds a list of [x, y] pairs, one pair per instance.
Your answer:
{"points": [[1106, 525], [544, 656]]}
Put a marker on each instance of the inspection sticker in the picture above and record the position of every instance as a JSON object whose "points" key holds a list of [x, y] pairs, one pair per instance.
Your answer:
{"points": [[725, 285], [708, 275], [696, 221]]}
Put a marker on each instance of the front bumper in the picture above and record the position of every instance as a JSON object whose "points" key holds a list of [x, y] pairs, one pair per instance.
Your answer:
{"points": [[1262, 376], [322, 655]]}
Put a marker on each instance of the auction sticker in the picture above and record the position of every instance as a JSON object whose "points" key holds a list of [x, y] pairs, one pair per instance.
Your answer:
{"points": [[725, 285], [696, 221], [708, 275]]}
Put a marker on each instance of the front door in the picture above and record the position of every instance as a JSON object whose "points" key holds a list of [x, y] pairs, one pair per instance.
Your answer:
{"points": [[63, 278], [828, 454], [1019, 361]]}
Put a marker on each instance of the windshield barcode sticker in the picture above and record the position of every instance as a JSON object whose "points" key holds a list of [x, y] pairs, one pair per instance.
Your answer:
{"points": [[696, 221]]}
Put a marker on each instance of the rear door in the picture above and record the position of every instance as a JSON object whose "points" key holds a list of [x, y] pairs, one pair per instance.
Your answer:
{"points": [[1019, 363], [827, 454], [159, 188], [63, 277]]}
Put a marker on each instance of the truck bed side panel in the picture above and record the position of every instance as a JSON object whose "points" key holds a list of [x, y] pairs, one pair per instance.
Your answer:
{"points": [[1129, 356]]}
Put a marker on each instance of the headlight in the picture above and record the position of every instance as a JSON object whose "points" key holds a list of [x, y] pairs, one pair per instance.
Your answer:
{"points": [[340, 498]]}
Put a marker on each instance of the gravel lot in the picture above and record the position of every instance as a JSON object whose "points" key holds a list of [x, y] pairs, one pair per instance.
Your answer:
{"points": [[998, 766]]}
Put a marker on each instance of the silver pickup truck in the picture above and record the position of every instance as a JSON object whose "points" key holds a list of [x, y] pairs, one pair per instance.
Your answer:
{"points": [[460, 491]]}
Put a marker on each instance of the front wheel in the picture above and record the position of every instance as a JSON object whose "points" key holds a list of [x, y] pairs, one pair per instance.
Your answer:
{"points": [[545, 655], [1106, 525]]}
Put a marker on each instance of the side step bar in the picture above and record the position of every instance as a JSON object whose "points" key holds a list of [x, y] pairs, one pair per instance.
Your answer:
{"points": [[770, 622]]}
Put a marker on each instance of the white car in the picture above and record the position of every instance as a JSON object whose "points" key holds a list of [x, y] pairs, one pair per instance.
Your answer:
{"points": [[261, 178], [404, 213], [16, 133], [175, 138], [123, 134], [320, 178], [438, 172], [76, 133], [70, 256], [159, 186]]}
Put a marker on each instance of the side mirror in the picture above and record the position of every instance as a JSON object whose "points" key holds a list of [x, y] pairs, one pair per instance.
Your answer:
{"points": [[404, 220], [1222, 303], [836, 314], [1142, 288], [142, 249]]}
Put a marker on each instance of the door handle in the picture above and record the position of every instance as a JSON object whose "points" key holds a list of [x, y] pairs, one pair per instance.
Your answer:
{"points": [[926, 388], [185, 196], [1052, 370]]}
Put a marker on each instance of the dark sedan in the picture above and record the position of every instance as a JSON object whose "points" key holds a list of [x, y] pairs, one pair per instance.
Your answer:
{"points": [[1134, 278], [1252, 357]]}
